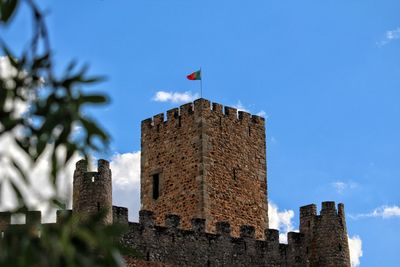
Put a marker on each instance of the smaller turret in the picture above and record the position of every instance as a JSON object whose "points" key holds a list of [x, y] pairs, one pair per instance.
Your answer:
{"points": [[325, 235], [92, 191]]}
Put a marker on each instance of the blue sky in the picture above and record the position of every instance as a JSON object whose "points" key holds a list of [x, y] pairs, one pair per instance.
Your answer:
{"points": [[326, 74]]}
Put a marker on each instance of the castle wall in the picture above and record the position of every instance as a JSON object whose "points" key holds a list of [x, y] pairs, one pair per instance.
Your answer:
{"points": [[211, 164], [322, 241]]}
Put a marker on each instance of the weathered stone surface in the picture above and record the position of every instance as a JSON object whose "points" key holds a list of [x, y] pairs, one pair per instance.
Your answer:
{"points": [[211, 165]]}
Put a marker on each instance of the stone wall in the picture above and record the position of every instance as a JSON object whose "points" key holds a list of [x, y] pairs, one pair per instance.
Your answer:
{"points": [[211, 164], [322, 242]]}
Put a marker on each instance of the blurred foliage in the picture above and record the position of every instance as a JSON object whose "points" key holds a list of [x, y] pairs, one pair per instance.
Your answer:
{"points": [[54, 105]]}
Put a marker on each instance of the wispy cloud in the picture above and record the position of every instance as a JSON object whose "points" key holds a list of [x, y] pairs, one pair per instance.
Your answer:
{"points": [[355, 247], [240, 107], [175, 97], [341, 186], [390, 36], [384, 212], [280, 220]]}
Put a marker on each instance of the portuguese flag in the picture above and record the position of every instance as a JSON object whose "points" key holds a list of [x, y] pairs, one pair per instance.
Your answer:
{"points": [[195, 75]]}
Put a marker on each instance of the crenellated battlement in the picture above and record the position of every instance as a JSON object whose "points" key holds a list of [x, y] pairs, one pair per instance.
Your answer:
{"points": [[200, 106], [173, 244]]}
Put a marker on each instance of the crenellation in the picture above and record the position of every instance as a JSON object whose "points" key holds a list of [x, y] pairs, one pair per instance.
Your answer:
{"points": [[231, 113], [186, 109], [198, 225], [146, 124], [172, 114], [328, 207], [5, 220], [294, 238], [201, 105], [81, 165], [341, 210], [217, 108], [247, 231], [146, 218], [245, 117], [120, 215], [223, 228], [33, 217], [272, 235], [63, 215], [258, 120], [158, 119], [172, 220]]}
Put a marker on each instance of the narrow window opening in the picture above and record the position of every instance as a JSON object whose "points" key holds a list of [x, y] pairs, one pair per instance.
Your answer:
{"points": [[148, 256], [158, 128], [249, 131], [208, 263], [156, 186], [98, 206], [308, 224], [220, 121], [340, 247], [307, 250], [179, 122], [2, 234], [234, 174]]}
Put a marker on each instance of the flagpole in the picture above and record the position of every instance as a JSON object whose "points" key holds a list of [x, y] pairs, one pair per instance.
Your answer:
{"points": [[201, 84]]}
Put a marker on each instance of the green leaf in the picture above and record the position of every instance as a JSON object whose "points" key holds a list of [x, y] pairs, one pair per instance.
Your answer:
{"points": [[93, 99], [7, 8]]}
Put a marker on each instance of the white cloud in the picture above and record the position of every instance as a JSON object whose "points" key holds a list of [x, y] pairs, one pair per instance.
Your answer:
{"points": [[126, 170], [384, 212], [355, 247], [341, 187], [240, 107], [175, 97], [262, 113], [280, 220], [390, 36], [37, 188]]}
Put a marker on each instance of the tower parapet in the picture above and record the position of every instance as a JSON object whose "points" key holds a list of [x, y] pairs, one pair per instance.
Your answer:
{"points": [[325, 235], [92, 191]]}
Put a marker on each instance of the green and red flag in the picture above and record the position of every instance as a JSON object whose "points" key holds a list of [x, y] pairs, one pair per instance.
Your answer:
{"points": [[195, 75]]}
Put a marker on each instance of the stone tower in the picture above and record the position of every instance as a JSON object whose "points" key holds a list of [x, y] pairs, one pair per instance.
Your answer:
{"points": [[208, 162], [92, 191], [324, 236]]}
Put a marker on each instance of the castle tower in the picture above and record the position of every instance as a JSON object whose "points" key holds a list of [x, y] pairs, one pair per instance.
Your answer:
{"points": [[92, 191], [208, 162], [325, 235]]}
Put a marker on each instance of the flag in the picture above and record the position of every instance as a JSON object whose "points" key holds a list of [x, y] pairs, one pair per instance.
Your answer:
{"points": [[195, 75]]}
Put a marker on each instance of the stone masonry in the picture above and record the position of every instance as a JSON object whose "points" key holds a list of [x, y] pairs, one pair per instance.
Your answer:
{"points": [[204, 197], [210, 163]]}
